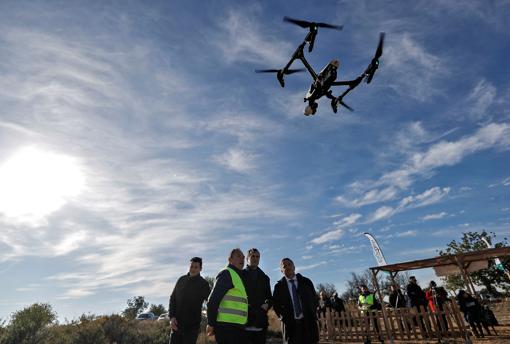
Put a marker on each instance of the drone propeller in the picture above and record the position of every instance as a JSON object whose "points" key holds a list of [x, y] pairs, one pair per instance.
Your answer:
{"points": [[374, 64], [288, 71], [311, 25], [339, 100], [345, 105]]}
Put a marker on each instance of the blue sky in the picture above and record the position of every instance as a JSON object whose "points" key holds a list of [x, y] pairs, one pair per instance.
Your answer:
{"points": [[134, 135]]}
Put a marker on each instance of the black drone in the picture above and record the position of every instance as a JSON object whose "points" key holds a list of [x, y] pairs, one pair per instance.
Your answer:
{"points": [[323, 81]]}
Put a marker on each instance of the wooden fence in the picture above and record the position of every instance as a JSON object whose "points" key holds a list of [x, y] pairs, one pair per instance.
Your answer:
{"points": [[402, 324]]}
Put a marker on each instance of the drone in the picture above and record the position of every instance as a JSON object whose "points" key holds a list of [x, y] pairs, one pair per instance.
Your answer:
{"points": [[326, 78]]}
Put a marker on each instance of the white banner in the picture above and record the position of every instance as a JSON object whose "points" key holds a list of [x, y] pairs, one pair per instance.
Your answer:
{"points": [[377, 250], [499, 265]]}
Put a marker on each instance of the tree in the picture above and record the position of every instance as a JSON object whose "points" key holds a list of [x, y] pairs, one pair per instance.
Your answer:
{"points": [[489, 278], [29, 325], [352, 285], [328, 288], [135, 306], [157, 309]]}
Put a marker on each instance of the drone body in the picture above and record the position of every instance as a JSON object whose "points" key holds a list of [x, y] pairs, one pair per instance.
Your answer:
{"points": [[322, 82]]}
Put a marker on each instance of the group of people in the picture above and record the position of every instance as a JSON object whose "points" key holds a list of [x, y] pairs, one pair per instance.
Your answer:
{"points": [[433, 298], [238, 303]]}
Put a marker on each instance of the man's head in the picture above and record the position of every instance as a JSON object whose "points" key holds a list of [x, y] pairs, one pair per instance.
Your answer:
{"points": [[287, 267], [253, 258], [236, 258], [432, 284], [363, 288], [195, 266], [394, 287], [413, 280]]}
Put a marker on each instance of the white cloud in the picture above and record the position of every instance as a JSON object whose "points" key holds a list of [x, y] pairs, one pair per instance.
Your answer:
{"points": [[339, 231], [424, 163], [370, 197], [348, 220], [148, 200], [414, 71], [310, 266], [480, 99], [245, 39], [406, 234], [382, 213], [237, 160], [328, 237], [428, 197], [435, 216]]}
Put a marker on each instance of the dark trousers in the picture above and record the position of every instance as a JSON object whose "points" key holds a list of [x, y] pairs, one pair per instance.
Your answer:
{"points": [[298, 334], [256, 337], [229, 334], [185, 336]]}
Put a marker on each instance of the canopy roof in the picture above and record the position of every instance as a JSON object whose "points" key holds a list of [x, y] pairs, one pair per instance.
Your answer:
{"points": [[464, 259]]}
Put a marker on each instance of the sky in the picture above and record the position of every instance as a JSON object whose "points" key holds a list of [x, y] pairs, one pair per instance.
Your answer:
{"points": [[135, 135]]}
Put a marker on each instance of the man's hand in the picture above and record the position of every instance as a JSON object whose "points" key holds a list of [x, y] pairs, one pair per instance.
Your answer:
{"points": [[209, 330], [265, 306], [173, 324]]}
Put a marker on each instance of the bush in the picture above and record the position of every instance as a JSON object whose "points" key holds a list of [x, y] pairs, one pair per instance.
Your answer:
{"points": [[30, 325], [90, 332], [36, 324], [60, 334], [119, 329]]}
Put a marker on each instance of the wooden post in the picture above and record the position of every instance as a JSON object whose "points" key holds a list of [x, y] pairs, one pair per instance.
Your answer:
{"points": [[465, 276], [385, 316]]}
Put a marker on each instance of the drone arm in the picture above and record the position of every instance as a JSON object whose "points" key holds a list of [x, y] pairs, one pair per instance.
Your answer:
{"points": [[308, 67], [351, 83], [298, 54]]}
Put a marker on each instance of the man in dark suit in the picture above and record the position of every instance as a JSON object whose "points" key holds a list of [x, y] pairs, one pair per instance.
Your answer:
{"points": [[295, 302], [258, 289]]}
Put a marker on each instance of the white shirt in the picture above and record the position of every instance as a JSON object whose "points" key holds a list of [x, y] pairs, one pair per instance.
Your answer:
{"points": [[289, 285]]}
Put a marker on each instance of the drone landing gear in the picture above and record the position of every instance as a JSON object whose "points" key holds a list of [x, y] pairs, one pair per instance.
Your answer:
{"points": [[334, 101], [311, 109]]}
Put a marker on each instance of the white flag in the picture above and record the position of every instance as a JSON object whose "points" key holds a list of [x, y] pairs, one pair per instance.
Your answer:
{"points": [[499, 265], [377, 250]]}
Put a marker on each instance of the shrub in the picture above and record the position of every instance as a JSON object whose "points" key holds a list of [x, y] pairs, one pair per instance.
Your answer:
{"points": [[30, 325]]}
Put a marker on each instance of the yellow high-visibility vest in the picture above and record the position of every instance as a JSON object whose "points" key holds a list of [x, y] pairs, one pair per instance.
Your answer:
{"points": [[234, 305], [366, 301]]}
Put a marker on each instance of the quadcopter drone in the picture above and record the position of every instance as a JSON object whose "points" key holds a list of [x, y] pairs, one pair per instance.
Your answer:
{"points": [[322, 82]]}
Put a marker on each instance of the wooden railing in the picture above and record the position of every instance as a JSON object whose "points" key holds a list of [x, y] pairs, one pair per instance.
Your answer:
{"points": [[402, 324]]}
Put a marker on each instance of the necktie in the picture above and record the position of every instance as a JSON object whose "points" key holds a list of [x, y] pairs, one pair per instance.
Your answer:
{"points": [[295, 300]]}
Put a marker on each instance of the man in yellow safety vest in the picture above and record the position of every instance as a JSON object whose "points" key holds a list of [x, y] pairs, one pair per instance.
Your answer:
{"points": [[367, 302], [227, 307]]}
